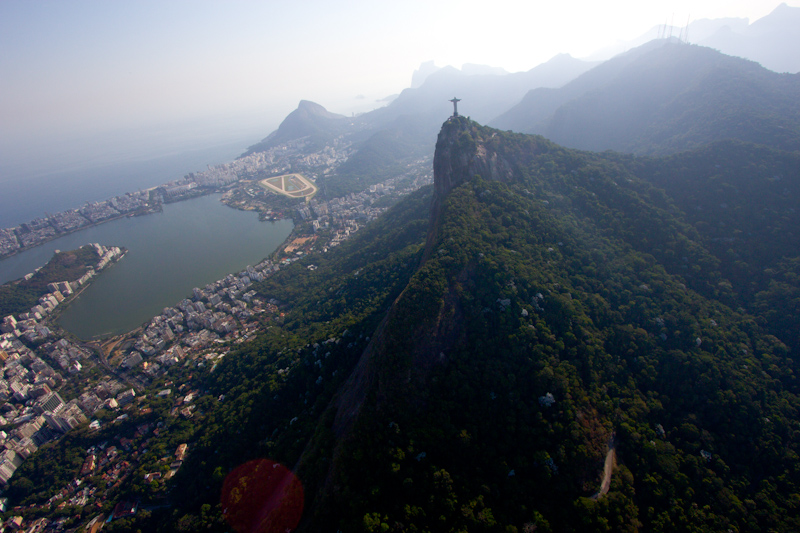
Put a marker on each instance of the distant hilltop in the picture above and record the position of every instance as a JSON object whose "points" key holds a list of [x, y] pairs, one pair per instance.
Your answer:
{"points": [[309, 119], [663, 97]]}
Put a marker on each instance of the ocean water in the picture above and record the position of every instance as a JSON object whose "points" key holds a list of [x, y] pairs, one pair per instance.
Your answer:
{"points": [[25, 195]]}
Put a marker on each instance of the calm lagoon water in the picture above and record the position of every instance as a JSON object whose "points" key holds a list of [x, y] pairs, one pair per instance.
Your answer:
{"points": [[190, 244]]}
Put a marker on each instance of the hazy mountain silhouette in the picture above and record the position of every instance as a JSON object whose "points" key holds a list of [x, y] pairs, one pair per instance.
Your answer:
{"points": [[485, 94], [404, 130], [421, 74], [664, 97], [308, 120], [773, 40], [698, 30]]}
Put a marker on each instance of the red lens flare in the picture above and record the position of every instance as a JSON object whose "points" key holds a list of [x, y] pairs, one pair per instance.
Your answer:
{"points": [[262, 496]]}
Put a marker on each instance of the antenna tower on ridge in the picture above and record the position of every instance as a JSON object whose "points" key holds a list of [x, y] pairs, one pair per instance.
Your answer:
{"points": [[686, 34]]}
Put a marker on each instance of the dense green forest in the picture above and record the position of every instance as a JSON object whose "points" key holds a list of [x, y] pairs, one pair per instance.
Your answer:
{"points": [[568, 305], [470, 360], [741, 198], [550, 316]]}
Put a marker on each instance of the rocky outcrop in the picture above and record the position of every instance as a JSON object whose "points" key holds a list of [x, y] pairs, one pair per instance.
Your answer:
{"points": [[461, 153], [463, 150]]}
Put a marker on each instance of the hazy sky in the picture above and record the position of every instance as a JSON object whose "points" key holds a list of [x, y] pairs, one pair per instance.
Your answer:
{"points": [[69, 70]]}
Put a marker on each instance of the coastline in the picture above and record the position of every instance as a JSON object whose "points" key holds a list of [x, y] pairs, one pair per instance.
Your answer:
{"points": [[155, 209], [49, 226], [76, 230]]}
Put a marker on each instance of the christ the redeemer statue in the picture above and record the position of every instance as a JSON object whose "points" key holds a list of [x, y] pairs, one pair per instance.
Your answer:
{"points": [[455, 105]]}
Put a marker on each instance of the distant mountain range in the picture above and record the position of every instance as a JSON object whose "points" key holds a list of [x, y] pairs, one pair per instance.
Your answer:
{"points": [[664, 97], [487, 94], [772, 41], [660, 97], [404, 130]]}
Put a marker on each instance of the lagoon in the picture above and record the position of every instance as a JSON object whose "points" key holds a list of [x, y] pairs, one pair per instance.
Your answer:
{"points": [[190, 244]]}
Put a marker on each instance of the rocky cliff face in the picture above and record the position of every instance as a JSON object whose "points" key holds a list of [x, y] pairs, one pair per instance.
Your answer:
{"points": [[463, 150]]}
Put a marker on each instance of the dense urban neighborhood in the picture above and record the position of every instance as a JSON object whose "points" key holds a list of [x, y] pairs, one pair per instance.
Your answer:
{"points": [[53, 384], [239, 182]]}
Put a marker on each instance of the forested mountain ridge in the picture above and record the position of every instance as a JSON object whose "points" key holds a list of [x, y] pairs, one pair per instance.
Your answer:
{"points": [[665, 97], [741, 199], [469, 372]]}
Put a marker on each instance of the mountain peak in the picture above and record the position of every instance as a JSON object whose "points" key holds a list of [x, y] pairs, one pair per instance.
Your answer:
{"points": [[461, 153], [310, 120], [314, 108], [466, 149], [425, 69]]}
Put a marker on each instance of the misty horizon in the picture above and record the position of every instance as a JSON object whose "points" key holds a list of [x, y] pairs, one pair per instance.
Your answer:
{"points": [[91, 84]]}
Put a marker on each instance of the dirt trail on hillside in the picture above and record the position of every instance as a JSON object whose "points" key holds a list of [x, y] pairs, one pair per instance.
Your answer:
{"points": [[611, 461]]}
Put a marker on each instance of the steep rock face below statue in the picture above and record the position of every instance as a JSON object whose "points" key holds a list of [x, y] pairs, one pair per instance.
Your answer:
{"points": [[465, 149], [462, 151]]}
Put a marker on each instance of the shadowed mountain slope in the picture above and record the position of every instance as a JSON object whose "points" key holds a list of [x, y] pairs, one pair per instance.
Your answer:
{"points": [[468, 371]]}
